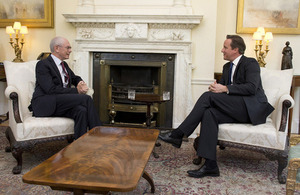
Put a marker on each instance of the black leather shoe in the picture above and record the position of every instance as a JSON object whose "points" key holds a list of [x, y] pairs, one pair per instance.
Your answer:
{"points": [[176, 142], [203, 172]]}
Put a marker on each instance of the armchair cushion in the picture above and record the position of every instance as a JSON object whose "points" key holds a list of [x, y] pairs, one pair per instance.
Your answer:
{"points": [[264, 135], [41, 127], [276, 83], [272, 95], [20, 76]]}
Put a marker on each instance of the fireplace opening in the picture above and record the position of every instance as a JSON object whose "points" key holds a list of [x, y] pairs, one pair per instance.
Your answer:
{"points": [[134, 75], [114, 74]]}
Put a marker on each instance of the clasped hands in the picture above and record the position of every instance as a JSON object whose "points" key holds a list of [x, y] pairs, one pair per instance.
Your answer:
{"points": [[217, 88], [82, 88]]}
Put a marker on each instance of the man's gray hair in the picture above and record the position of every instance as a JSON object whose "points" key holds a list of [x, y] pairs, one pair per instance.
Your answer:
{"points": [[56, 41]]}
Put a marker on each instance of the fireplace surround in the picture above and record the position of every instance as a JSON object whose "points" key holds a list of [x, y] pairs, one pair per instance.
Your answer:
{"points": [[129, 33], [114, 74]]}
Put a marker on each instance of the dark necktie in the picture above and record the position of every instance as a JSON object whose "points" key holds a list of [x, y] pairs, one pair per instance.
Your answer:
{"points": [[230, 72], [66, 75]]}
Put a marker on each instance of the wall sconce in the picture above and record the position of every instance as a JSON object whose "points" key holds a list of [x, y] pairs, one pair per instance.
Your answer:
{"points": [[259, 36], [17, 45]]}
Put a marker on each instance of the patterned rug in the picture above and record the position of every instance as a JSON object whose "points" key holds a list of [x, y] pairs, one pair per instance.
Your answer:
{"points": [[242, 172]]}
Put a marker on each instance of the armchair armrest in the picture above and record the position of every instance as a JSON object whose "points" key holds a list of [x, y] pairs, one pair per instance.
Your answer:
{"points": [[10, 89], [284, 104], [12, 94]]}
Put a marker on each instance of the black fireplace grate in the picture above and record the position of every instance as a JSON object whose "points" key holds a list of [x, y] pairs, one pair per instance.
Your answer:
{"points": [[120, 92]]}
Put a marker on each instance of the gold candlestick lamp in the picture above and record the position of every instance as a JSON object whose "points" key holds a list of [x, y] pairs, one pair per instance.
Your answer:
{"points": [[259, 36], [16, 43]]}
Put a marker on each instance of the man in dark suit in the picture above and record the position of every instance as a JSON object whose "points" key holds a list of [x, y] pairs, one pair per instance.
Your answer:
{"points": [[53, 94], [237, 98]]}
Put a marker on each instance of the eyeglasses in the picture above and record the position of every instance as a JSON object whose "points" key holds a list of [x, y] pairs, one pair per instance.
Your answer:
{"points": [[68, 47]]}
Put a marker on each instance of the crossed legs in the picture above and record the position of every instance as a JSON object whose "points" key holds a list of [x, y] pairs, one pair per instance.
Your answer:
{"points": [[210, 110]]}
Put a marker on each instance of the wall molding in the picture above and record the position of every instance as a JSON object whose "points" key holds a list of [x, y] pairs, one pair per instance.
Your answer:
{"points": [[199, 81]]}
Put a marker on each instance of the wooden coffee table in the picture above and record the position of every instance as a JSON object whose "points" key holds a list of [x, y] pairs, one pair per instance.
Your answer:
{"points": [[104, 159]]}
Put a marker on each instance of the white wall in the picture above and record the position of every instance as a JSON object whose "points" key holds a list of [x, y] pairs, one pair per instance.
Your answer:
{"points": [[218, 21]]}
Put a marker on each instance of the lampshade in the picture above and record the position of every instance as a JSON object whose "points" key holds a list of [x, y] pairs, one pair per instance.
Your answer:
{"points": [[9, 30], [261, 30], [17, 25], [24, 30], [257, 36], [269, 36]]}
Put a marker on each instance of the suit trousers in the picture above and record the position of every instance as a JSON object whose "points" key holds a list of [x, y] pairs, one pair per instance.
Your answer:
{"points": [[80, 108], [210, 110]]}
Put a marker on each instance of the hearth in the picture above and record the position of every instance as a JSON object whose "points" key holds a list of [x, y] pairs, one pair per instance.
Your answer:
{"points": [[114, 74]]}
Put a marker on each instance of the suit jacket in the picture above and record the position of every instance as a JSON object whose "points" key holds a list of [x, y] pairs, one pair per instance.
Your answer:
{"points": [[247, 83], [49, 84]]}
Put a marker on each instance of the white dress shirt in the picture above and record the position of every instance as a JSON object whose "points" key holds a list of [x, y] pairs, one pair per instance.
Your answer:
{"points": [[62, 74], [235, 62]]}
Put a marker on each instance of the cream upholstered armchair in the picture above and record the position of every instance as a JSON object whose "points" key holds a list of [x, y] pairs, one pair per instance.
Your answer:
{"points": [[293, 178], [25, 131], [270, 138]]}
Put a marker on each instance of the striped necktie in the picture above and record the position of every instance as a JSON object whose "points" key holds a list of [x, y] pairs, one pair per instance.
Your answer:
{"points": [[66, 75]]}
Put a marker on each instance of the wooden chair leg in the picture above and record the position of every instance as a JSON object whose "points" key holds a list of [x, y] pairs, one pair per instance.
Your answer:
{"points": [[282, 163], [17, 154]]}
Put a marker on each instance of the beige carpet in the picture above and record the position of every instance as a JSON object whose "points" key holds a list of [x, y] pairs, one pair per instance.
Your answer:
{"points": [[242, 172]]}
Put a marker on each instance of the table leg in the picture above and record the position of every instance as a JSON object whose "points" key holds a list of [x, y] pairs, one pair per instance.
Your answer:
{"points": [[148, 124], [148, 115], [154, 153], [150, 180]]}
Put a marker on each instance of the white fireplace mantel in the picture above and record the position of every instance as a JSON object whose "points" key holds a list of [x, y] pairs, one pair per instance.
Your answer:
{"points": [[138, 34], [79, 19]]}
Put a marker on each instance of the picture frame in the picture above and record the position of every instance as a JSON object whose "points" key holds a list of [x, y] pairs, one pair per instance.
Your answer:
{"points": [[276, 16], [34, 15]]}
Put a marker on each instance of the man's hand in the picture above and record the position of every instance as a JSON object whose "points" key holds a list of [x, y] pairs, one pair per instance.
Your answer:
{"points": [[82, 88], [217, 88]]}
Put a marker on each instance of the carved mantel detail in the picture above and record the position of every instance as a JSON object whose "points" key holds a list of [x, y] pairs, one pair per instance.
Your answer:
{"points": [[138, 27]]}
